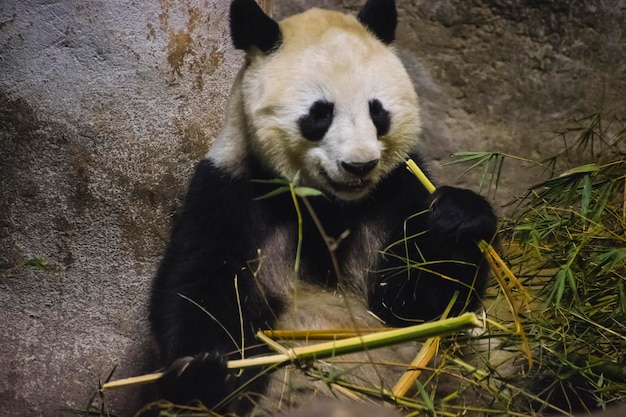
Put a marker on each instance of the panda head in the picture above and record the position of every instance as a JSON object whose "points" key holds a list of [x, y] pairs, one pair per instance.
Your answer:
{"points": [[323, 98]]}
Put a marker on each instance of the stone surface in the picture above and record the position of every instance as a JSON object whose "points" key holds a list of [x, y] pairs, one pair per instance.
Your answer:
{"points": [[105, 107]]}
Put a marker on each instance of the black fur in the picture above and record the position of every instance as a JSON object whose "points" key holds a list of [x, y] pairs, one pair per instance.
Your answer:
{"points": [[217, 235], [381, 18], [250, 26], [314, 125], [380, 116]]}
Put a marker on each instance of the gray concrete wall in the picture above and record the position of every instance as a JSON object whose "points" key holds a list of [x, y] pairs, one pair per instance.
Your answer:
{"points": [[105, 106]]}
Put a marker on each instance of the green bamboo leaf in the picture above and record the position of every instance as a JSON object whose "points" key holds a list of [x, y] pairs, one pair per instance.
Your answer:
{"points": [[307, 192], [487, 168], [570, 196], [586, 196], [601, 201], [499, 172], [610, 259], [428, 401], [273, 193], [559, 287], [622, 296], [470, 156], [583, 169], [277, 181], [569, 177], [481, 161], [551, 183], [573, 284]]}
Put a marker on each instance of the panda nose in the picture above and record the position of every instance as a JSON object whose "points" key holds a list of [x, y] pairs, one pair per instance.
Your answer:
{"points": [[359, 168]]}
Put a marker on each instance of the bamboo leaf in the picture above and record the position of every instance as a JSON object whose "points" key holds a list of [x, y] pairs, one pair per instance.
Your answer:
{"points": [[428, 401], [274, 181], [621, 294], [470, 156], [273, 193], [573, 284], [611, 258], [601, 199], [583, 169], [307, 192], [586, 196], [559, 287]]}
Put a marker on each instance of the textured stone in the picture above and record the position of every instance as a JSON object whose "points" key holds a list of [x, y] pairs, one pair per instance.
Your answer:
{"points": [[105, 107]]}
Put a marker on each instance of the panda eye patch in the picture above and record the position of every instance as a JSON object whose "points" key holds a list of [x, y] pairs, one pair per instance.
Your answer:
{"points": [[380, 116], [315, 124]]}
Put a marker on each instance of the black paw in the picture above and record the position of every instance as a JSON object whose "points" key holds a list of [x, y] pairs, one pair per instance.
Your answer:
{"points": [[204, 377], [461, 215]]}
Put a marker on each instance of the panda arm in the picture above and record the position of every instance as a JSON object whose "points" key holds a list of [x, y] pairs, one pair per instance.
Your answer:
{"points": [[431, 253], [203, 280]]}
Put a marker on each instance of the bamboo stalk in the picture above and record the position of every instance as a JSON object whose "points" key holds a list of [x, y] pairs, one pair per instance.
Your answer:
{"points": [[426, 353], [333, 348], [332, 334], [387, 337], [412, 166]]}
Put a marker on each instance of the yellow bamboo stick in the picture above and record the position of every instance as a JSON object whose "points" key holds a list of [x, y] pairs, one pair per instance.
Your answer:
{"points": [[421, 360]]}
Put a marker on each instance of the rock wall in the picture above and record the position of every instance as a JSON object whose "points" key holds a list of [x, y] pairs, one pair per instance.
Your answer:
{"points": [[512, 70], [105, 106]]}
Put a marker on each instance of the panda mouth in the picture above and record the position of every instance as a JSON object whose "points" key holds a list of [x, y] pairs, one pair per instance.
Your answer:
{"points": [[355, 186]]}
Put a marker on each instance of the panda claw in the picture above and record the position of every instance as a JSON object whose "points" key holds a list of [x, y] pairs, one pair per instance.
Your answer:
{"points": [[203, 377]]}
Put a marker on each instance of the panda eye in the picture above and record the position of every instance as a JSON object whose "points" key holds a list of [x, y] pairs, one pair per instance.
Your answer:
{"points": [[315, 124], [380, 116]]}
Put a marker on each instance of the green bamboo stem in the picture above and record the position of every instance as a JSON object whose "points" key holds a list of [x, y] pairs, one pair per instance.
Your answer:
{"points": [[333, 348], [329, 334]]}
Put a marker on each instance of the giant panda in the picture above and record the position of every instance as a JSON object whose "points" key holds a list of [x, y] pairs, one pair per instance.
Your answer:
{"points": [[322, 102]]}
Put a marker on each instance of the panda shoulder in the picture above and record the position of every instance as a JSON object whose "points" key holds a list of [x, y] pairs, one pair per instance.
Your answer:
{"points": [[215, 199]]}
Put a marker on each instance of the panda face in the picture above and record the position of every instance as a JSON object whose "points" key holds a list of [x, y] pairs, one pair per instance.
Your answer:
{"points": [[332, 106]]}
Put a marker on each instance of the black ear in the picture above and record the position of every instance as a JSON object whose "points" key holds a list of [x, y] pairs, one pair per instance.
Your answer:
{"points": [[250, 26], [381, 18]]}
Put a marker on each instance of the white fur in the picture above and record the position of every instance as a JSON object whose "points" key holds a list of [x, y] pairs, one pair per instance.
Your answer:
{"points": [[291, 388]]}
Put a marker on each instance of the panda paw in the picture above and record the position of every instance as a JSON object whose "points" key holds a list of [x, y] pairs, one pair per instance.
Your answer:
{"points": [[203, 378], [461, 215]]}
